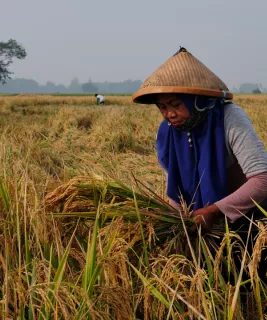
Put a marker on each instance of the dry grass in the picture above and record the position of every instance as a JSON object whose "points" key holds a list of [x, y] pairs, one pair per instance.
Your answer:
{"points": [[76, 268]]}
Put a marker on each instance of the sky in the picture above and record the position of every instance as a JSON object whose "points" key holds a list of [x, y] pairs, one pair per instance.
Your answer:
{"points": [[116, 40]]}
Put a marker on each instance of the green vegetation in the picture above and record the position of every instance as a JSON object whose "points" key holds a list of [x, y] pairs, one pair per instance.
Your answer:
{"points": [[85, 231], [8, 51]]}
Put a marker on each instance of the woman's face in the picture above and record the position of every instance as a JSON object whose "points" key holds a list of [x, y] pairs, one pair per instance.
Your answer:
{"points": [[172, 108]]}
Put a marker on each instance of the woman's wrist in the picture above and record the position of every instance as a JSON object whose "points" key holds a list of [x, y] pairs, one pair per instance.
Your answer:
{"points": [[215, 210]]}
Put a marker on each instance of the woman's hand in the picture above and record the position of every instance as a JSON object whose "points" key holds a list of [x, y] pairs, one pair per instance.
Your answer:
{"points": [[205, 217]]}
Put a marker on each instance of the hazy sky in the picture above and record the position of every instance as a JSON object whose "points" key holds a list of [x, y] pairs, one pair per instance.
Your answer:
{"points": [[116, 40]]}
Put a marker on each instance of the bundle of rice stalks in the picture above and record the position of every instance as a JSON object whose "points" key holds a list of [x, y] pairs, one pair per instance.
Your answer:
{"points": [[87, 197]]}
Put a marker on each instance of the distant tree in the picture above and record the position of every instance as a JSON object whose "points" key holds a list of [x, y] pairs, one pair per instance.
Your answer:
{"points": [[20, 85], [127, 86], [61, 88], [257, 90], [49, 87], [75, 86], [250, 87], [8, 51], [234, 90], [89, 87]]}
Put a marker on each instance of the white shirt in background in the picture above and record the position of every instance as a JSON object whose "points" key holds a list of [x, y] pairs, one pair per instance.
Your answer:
{"points": [[101, 98]]}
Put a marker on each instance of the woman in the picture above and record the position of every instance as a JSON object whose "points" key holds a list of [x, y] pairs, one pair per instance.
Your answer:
{"points": [[207, 145]]}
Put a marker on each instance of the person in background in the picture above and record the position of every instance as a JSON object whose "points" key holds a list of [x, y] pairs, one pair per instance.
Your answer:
{"points": [[207, 145], [100, 99]]}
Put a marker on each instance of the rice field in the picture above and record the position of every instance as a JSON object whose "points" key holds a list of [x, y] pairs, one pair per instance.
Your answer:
{"points": [[85, 229]]}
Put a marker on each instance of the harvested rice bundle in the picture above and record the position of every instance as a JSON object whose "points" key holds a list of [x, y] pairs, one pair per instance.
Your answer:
{"points": [[88, 196]]}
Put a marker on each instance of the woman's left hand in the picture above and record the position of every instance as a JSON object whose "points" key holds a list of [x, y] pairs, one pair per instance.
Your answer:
{"points": [[205, 217]]}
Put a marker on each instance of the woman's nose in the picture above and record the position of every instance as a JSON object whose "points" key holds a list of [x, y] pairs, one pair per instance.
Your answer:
{"points": [[171, 113]]}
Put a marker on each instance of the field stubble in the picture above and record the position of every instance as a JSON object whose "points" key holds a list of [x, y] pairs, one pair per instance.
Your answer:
{"points": [[46, 268]]}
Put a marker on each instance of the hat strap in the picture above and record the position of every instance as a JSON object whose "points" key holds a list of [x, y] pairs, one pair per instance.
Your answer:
{"points": [[212, 105]]}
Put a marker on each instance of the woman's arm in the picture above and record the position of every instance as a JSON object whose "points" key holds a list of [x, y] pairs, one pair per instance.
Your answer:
{"points": [[244, 143], [239, 202], [236, 204]]}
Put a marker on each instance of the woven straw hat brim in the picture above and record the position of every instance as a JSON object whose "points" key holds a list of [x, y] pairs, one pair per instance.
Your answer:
{"points": [[146, 95], [182, 73]]}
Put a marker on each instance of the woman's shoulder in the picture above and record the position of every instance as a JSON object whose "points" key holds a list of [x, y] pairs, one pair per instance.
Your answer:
{"points": [[235, 116], [243, 141], [233, 109]]}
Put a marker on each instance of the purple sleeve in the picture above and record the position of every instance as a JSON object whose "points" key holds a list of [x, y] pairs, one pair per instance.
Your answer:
{"points": [[239, 202]]}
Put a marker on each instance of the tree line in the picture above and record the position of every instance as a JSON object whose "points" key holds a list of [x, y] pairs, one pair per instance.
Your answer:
{"points": [[20, 85]]}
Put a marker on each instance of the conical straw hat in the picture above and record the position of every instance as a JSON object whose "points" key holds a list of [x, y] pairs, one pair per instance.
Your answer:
{"points": [[182, 73]]}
